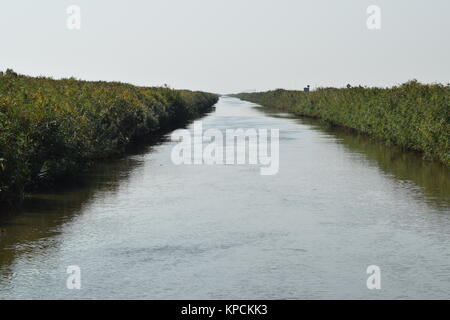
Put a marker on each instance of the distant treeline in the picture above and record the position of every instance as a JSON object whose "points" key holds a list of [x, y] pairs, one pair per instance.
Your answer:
{"points": [[414, 115], [53, 128]]}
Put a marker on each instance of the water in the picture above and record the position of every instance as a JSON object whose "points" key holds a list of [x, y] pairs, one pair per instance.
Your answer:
{"points": [[143, 228]]}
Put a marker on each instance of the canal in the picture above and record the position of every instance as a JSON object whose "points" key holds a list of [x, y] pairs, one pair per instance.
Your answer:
{"points": [[141, 227]]}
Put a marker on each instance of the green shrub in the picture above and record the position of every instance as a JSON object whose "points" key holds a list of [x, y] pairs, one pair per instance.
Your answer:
{"points": [[53, 128], [413, 115]]}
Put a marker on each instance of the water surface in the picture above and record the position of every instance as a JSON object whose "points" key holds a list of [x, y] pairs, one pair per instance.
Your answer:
{"points": [[141, 227]]}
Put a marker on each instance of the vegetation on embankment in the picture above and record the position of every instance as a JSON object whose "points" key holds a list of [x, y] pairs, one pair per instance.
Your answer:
{"points": [[414, 115], [53, 128]]}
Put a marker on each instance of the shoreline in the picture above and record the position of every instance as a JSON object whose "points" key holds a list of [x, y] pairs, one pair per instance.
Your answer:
{"points": [[52, 129], [413, 116]]}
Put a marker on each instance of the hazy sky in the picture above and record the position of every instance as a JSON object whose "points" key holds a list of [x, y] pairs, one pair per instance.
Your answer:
{"points": [[229, 45]]}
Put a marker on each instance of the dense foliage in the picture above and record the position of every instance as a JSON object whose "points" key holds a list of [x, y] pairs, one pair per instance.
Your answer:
{"points": [[53, 128], [414, 116]]}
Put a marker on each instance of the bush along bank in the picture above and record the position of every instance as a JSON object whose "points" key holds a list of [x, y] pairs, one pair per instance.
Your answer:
{"points": [[413, 115], [53, 128]]}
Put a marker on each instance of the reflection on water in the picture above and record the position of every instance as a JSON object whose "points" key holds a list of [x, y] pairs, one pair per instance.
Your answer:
{"points": [[141, 227], [41, 215], [430, 178]]}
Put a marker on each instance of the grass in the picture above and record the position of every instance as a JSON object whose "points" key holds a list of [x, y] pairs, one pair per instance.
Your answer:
{"points": [[414, 116], [51, 129]]}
